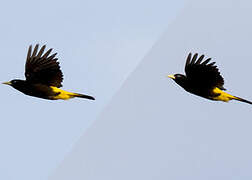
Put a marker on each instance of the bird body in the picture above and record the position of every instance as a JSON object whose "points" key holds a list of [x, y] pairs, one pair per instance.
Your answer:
{"points": [[222, 96], [61, 94], [203, 79], [43, 77]]}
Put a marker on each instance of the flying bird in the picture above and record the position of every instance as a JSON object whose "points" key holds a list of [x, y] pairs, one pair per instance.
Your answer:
{"points": [[43, 76], [204, 79]]}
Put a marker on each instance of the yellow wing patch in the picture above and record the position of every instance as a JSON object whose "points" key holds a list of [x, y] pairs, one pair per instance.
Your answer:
{"points": [[223, 96], [65, 95]]}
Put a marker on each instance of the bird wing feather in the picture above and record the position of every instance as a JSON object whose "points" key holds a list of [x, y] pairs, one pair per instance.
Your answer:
{"points": [[42, 68], [203, 74]]}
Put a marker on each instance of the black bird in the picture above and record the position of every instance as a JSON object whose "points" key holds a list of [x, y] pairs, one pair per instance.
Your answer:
{"points": [[43, 77], [203, 79]]}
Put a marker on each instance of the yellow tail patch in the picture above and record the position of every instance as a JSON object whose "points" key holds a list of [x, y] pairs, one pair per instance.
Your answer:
{"points": [[223, 96], [65, 95]]}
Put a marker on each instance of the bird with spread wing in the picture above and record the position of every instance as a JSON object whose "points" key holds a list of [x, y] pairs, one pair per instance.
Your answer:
{"points": [[203, 79], [43, 77]]}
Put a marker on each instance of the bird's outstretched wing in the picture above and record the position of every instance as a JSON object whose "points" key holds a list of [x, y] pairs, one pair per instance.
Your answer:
{"points": [[42, 68], [203, 73]]}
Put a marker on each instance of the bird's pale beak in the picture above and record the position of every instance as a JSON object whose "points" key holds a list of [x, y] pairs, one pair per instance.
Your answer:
{"points": [[7, 83], [171, 76]]}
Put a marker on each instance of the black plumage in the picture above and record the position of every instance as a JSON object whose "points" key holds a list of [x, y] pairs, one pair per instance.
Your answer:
{"points": [[41, 68]]}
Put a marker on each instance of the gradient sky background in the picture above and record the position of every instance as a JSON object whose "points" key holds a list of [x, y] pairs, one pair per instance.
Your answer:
{"points": [[99, 43], [153, 129]]}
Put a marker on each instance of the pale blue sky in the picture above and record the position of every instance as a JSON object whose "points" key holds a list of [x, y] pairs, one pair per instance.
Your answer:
{"points": [[153, 130], [98, 44]]}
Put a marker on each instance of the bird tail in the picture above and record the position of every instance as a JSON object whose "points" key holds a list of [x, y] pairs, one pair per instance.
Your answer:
{"points": [[242, 100], [223, 96], [83, 96]]}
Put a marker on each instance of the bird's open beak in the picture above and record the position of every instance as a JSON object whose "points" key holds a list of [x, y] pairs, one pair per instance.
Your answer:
{"points": [[7, 83], [171, 76]]}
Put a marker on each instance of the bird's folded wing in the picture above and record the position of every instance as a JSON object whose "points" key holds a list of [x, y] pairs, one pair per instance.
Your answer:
{"points": [[42, 68], [202, 73]]}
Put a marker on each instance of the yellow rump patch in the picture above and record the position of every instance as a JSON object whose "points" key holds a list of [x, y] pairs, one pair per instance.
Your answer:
{"points": [[62, 94], [223, 96]]}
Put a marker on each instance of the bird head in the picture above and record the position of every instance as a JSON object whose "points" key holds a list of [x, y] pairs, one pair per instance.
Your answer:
{"points": [[14, 83], [180, 79]]}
